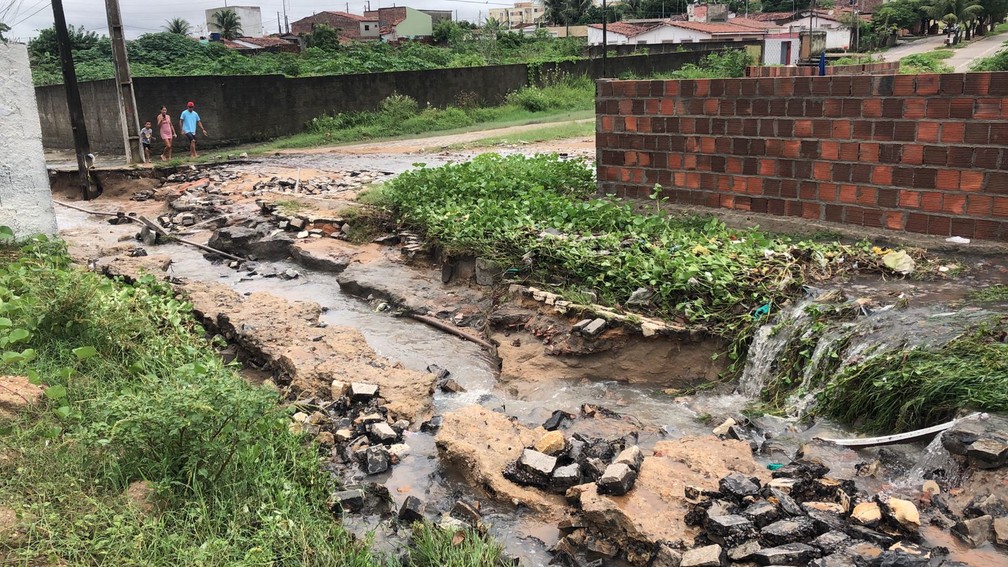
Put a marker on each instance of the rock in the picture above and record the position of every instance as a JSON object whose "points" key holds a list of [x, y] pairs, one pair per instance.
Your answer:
{"points": [[975, 531], [788, 554], [640, 298], [432, 424], [536, 463], [376, 460], [399, 451], [825, 519], [730, 530], [985, 505], [17, 393], [451, 386], [466, 513], [738, 486], [806, 469], [617, 479], [594, 328], [960, 437], [788, 531], [552, 443], [867, 514], [988, 453], [382, 432], [709, 556], [744, 551], [869, 535], [631, 457], [441, 373], [577, 327], [411, 510], [594, 468], [326, 438], [831, 542], [557, 420], [665, 556], [351, 500], [903, 512], [360, 392], [343, 435], [567, 476], [725, 426], [786, 503], [761, 513], [338, 389], [930, 487]]}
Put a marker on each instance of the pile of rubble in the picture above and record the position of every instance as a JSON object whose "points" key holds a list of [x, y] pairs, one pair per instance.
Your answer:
{"points": [[355, 179]]}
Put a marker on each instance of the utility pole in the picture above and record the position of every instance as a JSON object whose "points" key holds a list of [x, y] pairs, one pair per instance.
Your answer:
{"points": [[81, 145], [286, 21], [605, 30], [279, 26], [129, 117]]}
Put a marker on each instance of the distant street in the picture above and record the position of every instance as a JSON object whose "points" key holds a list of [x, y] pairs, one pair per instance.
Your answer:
{"points": [[963, 58]]}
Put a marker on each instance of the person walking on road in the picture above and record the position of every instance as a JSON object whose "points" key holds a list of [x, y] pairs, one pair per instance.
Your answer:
{"points": [[188, 121], [167, 132]]}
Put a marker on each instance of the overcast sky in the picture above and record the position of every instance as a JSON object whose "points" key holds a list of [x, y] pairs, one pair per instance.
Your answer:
{"points": [[26, 17]]}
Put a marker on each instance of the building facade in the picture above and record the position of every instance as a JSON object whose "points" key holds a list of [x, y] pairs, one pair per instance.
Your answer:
{"points": [[249, 16]]}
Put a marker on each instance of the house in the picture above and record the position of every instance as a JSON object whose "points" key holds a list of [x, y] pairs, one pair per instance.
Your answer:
{"points": [[250, 18], [254, 45], [350, 27], [438, 16], [672, 31], [400, 22], [780, 44], [838, 33], [520, 14]]}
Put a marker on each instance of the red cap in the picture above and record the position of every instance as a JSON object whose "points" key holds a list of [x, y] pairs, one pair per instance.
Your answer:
{"points": [[191, 104]]}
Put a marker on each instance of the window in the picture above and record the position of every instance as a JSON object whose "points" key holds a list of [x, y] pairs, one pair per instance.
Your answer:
{"points": [[367, 27]]}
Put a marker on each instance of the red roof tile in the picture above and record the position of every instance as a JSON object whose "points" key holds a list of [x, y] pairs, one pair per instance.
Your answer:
{"points": [[627, 29], [717, 28]]}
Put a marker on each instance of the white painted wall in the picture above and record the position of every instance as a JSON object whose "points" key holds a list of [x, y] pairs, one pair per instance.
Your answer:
{"points": [[775, 51], [250, 17], [612, 38], [25, 199], [837, 34], [672, 34]]}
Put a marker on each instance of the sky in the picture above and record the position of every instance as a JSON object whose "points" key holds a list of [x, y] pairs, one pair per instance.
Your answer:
{"points": [[26, 17]]}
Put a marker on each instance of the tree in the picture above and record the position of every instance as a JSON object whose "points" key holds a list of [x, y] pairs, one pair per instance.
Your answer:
{"points": [[228, 22], [447, 32], [565, 12], [324, 37], [178, 26], [44, 44], [961, 13], [4, 28], [994, 11]]}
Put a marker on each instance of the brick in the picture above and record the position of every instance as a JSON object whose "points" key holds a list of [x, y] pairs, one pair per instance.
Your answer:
{"points": [[882, 175], [935, 155], [914, 108], [1000, 207], [822, 171], [871, 108], [867, 196], [841, 129], [854, 215], [903, 85], [990, 229], [963, 227], [904, 131], [931, 201], [652, 106], [861, 173], [903, 176], [951, 84], [630, 123], [976, 83], [626, 106], [997, 182], [961, 108], [928, 131], [979, 205], [916, 222], [851, 108], [986, 158], [954, 203], [811, 210], [829, 150], [883, 130], [953, 132], [976, 133], [912, 154], [999, 133], [887, 197], [987, 108], [848, 194], [947, 180], [939, 226], [927, 84], [925, 178], [834, 213], [789, 189], [803, 128], [832, 107], [894, 220], [808, 191], [892, 108], [971, 180], [866, 152], [862, 129], [938, 108], [889, 153]]}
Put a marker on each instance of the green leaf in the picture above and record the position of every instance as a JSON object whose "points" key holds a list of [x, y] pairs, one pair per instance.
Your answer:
{"points": [[62, 412], [5, 322], [57, 392], [18, 335], [84, 352]]}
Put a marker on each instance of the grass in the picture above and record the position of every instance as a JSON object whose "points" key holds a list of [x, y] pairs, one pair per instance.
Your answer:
{"points": [[436, 547], [560, 131], [929, 62], [904, 390], [991, 293], [400, 116], [135, 392]]}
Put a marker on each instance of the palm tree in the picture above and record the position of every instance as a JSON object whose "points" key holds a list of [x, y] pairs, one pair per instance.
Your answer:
{"points": [[178, 26], [228, 22], [961, 12]]}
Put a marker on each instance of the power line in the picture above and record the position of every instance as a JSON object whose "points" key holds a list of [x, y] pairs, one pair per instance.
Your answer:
{"points": [[29, 16]]}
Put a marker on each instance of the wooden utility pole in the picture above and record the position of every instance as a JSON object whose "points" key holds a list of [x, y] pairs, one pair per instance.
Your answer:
{"points": [[128, 118], [81, 145]]}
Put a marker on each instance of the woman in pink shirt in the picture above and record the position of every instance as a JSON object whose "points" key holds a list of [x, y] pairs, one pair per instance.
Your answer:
{"points": [[167, 131]]}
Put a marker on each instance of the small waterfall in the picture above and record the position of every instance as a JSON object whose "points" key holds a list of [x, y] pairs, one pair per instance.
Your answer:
{"points": [[769, 343], [935, 463]]}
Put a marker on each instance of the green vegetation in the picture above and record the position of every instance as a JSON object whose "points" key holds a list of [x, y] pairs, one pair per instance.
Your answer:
{"points": [[929, 62], [547, 133], [722, 65], [905, 390], [400, 115], [436, 547], [536, 219], [996, 62], [172, 54], [991, 293]]}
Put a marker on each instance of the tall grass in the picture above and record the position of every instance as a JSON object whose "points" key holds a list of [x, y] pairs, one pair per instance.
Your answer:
{"points": [[137, 393]]}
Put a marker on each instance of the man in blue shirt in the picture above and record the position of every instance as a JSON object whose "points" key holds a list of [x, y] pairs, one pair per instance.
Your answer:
{"points": [[188, 121]]}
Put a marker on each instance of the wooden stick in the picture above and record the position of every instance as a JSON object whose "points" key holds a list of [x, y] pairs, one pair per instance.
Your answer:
{"points": [[452, 330], [83, 210]]}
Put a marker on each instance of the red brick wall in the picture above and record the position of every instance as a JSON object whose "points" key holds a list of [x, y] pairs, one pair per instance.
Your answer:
{"points": [[924, 153], [885, 68]]}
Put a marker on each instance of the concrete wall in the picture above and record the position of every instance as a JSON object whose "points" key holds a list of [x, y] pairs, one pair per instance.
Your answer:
{"points": [[924, 153], [25, 201], [239, 109]]}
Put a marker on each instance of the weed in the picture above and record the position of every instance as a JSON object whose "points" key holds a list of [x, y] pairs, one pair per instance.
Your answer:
{"points": [[990, 293], [436, 547]]}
